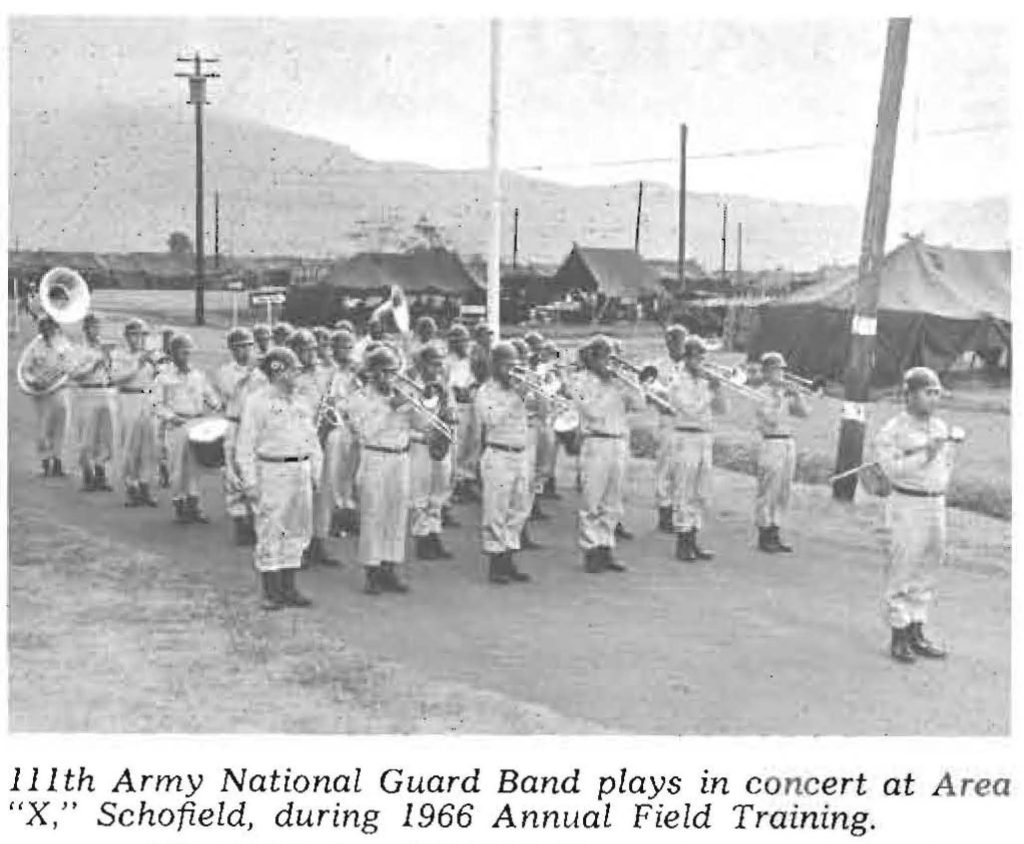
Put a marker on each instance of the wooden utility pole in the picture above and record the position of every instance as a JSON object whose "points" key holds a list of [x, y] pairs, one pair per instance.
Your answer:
{"points": [[725, 222], [216, 229], [681, 255], [494, 258], [197, 98], [860, 362], [739, 253], [639, 212], [515, 237]]}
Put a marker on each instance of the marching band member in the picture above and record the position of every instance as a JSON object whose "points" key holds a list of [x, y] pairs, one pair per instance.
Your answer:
{"points": [[281, 333], [323, 347], [374, 334], [425, 333], [341, 448], [776, 458], [547, 444], [665, 478], [184, 394], [695, 396], [462, 384], [237, 380], [133, 371], [262, 336], [502, 429], [310, 387], [603, 403], [536, 412], [95, 411], [429, 477], [279, 463], [915, 452], [382, 420], [163, 363], [48, 357]]}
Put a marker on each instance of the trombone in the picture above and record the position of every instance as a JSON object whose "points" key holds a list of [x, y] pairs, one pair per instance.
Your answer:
{"points": [[642, 379], [733, 377], [426, 400], [523, 376]]}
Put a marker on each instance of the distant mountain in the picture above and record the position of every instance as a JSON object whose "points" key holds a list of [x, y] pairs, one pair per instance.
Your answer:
{"points": [[123, 179]]}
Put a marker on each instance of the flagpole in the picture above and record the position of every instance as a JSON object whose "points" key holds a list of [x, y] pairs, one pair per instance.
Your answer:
{"points": [[494, 257]]}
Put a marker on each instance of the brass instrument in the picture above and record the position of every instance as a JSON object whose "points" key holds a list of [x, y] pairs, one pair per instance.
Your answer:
{"points": [[642, 379], [427, 400], [735, 378], [531, 383], [871, 474], [327, 415], [804, 386]]}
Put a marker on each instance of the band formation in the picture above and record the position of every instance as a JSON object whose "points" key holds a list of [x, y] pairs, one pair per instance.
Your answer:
{"points": [[320, 433]]}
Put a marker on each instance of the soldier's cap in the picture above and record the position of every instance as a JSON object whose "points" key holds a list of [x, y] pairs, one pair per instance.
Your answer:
{"points": [[694, 346], [770, 359], [91, 319], [342, 335], [549, 346], [430, 353], [482, 328], [322, 333], [425, 322], [46, 321], [346, 325], [458, 332], [261, 329], [598, 345], [181, 340], [520, 345], [136, 326], [504, 350], [676, 330], [533, 339], [920, 378], [240, 337], [278, 360], [381, 358], [283, 329], [301, 339]]}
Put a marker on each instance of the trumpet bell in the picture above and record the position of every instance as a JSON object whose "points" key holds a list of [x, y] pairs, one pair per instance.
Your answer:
{"points": [[64, 295]]}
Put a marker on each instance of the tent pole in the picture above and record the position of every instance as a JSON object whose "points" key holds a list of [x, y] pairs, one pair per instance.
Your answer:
{"points": [[860, 362]]}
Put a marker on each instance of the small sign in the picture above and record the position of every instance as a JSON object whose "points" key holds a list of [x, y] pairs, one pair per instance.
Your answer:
{"points": [[267, 298], [235, 286]]}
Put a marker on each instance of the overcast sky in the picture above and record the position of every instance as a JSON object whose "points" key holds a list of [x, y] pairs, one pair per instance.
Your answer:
{"points": [[574, 93]]}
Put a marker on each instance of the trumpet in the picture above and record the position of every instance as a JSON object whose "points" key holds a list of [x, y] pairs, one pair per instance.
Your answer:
{"points": [[805, 386], [644, 374], [427, 400], [530, 382]]}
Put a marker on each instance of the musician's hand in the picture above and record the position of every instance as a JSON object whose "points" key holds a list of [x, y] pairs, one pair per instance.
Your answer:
{"points": [[935, 445], [397, 402]]}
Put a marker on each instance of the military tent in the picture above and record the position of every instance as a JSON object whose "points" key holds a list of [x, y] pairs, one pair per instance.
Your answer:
{"points": [[935, 304], [613, 273]]}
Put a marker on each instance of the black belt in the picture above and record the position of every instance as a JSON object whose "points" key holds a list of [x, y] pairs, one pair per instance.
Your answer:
{"points": [[292, 459], [777, 436], [133, 391], [94, 386], [916, 493], [601, 435], [418, 440], [685, 430], [383, 449], [235, 419], [468, 402], [515, 449]]}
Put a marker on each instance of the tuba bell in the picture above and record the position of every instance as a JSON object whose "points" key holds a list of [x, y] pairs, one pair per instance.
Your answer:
{"points": [[64, 295]]}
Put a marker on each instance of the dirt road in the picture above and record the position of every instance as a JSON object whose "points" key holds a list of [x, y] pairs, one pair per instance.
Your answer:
{"points": [[750, 644]]}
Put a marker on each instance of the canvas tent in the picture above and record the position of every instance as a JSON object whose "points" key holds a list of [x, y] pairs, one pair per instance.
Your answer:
{"points": [[935, 303], [613, 273]]}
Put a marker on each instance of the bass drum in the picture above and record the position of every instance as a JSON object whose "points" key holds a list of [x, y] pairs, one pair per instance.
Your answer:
{"points": [[567, 429]]}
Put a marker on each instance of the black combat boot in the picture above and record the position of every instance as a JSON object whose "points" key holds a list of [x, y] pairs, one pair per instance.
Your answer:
{"points": [[181, 515], [165, 475], [56, 469], [318, 554], [702, 553], [608, 560], [132, 496], [447, 519], [272, 599], [496, 569], [780, 546], [665, 519], [241, 531], [921, 645], [289, 594], [592, 561], [513, 573], [145, 496], [900, 649], [193, 512], [440, 552], [100, 478], [536, 513], [391, 582], [622, 533], [372, 584], [764, 540], [685, 552], [88, 479], [425, 548], [549, 491], [46, 467]]}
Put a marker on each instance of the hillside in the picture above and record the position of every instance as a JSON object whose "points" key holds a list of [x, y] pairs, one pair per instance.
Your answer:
{"points": [[121, 179]]}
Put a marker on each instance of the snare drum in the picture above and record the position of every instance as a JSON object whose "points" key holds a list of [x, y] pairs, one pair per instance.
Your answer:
{"points": [[206, 441], [566, 426]]}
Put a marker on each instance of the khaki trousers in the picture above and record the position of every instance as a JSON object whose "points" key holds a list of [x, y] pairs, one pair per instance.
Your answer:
{"points": [[506, 499], [51, 423], [691, 479], [916, 541], [602, 470], [776, 465]]}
